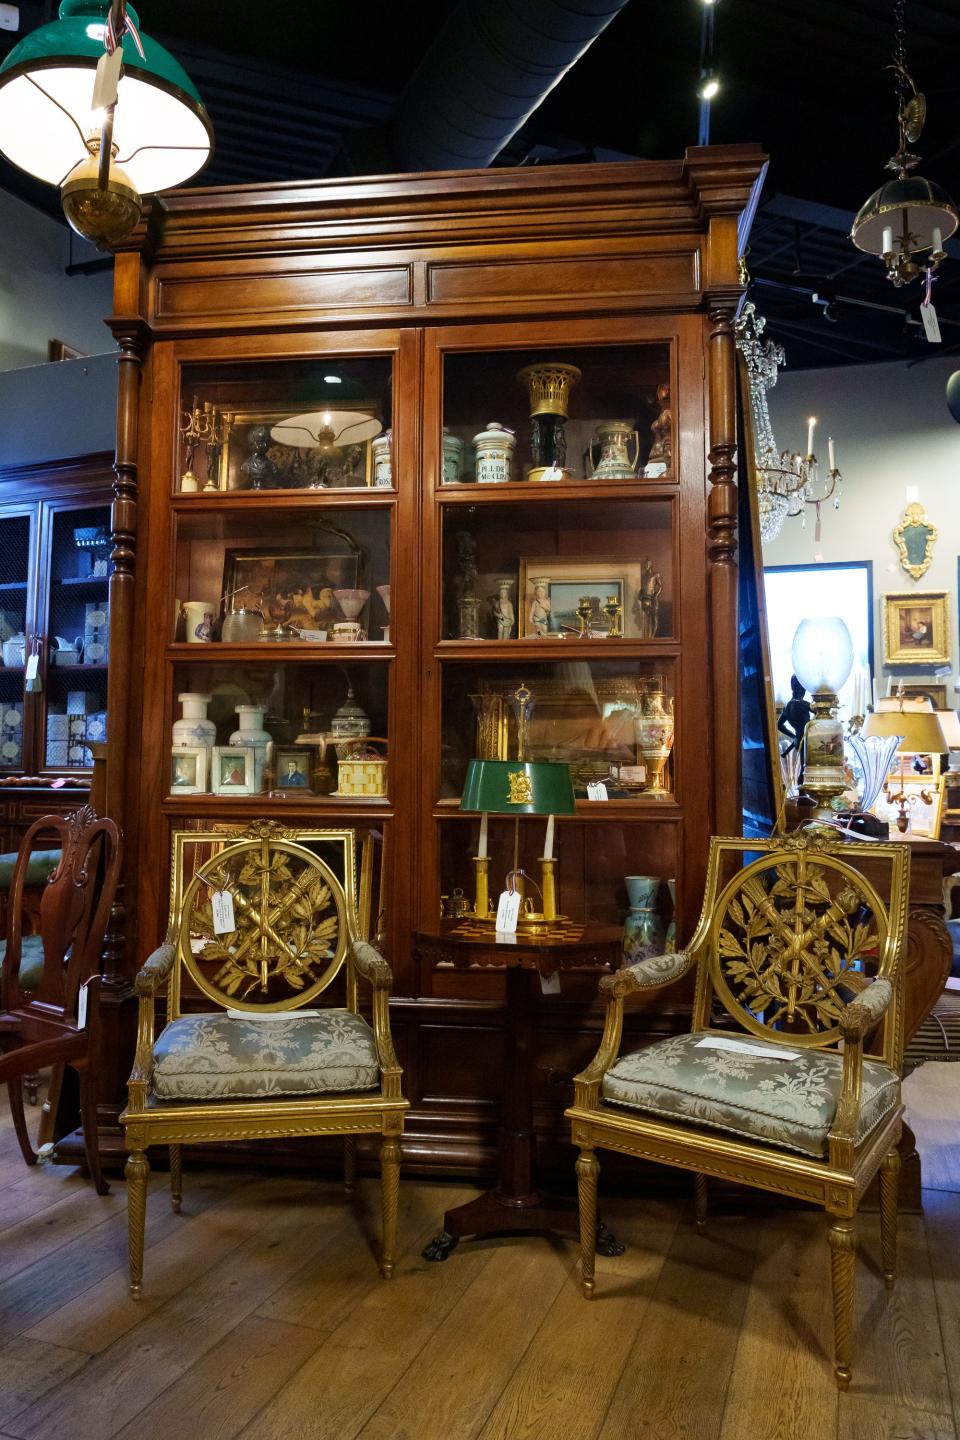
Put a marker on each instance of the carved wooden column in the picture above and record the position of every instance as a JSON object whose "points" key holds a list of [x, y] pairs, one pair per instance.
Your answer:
{"points": [[722, 569]]}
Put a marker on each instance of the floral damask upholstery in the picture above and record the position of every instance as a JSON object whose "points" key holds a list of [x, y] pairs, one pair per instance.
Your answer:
{"points": [[214, 1056], [787, 1103]]}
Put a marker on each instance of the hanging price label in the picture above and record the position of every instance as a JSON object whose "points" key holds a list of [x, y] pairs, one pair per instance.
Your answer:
{"points": [[550, 984], [508, 912], [82, 1006], [33, 665], [223, 921], [107, 79], [931, 325]]}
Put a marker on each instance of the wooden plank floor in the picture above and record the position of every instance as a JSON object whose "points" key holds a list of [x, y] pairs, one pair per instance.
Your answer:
{"points": [[263, 1317]]}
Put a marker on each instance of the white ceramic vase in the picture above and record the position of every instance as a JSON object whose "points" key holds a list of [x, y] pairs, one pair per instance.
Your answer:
{"points": [[252, 733], [193, 728]]}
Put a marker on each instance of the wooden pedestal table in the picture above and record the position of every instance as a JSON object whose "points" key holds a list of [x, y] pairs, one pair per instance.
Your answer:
{"points": [[515, 1205]]}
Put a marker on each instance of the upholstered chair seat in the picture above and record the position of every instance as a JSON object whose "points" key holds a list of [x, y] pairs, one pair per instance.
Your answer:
{"points": [[790, 1104], [218, 1057], [31, 960]]}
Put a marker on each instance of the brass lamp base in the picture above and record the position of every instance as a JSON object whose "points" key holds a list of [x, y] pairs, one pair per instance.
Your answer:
{"points": [[530, 922]]}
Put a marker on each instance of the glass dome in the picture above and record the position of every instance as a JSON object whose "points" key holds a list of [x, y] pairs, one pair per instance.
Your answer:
{"points": [[822, 654]]}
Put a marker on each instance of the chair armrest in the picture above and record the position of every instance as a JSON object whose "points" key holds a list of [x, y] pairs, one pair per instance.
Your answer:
{"points": [[371, 965], [647, 974], [156, 968], [866, 1011]]}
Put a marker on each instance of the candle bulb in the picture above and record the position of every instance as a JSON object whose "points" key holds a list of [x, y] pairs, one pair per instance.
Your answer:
{"points": [[482, 847], [887, 239], [548, 843], [831, 452], [810, 424], [937, 246]]}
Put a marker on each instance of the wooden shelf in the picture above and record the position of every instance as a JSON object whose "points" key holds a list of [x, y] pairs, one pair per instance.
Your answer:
{"points": [[619, 810], [76, 670], [300, 807], [243, 500], [292, 652], [548, 492], [75, 582], [556, 650]]}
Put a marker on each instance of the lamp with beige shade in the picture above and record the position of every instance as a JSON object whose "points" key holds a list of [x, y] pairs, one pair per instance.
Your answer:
{"points": [[921, 733]]}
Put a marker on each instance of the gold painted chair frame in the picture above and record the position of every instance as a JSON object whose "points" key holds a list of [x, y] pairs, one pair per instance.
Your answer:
{"points": [[148, 1121], [874, 1016]]}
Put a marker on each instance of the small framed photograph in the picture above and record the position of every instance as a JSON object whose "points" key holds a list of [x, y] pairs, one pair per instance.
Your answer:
{"points": [[933, 690], [233, 770], [293, 769], [916, 628], [188, 771], [625, 593]]}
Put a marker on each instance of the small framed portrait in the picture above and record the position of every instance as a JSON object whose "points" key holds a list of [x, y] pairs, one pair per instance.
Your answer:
{"points": [[916, 628], [188, 771], [293, 769], [625, 597], [233, 769]]}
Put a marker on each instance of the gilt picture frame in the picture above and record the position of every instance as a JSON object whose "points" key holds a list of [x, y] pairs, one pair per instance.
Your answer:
{"points": [[567, 581], [292, 467], [916, 627], [915, 538]]}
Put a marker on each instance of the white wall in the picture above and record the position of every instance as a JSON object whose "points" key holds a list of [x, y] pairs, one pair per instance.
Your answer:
{"points": [[892, 429], [38, 302]]}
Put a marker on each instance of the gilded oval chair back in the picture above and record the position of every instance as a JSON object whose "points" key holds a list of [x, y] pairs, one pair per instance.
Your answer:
{"points": [[264, 922], [798, 932]]}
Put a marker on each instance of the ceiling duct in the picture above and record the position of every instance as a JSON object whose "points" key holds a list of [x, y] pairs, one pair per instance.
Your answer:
{"points": [[485, 74]]}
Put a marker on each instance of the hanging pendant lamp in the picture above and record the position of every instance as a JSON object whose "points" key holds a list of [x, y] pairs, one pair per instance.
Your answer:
{"points": [[71, 116]]}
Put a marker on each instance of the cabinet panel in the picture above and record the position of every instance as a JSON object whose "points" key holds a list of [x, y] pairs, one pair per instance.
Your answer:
{"points": [[482, 281], [296, 289]]}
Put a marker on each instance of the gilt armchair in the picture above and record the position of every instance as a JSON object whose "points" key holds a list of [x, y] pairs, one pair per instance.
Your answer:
{"points": [[790, 1077], [262, 922]]}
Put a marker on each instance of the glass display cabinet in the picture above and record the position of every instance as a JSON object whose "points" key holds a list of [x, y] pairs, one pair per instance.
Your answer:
{"points": [[421, 471], [54, 636]]}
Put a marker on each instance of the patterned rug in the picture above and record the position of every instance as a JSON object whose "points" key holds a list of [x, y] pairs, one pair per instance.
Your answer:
{"points": [[939, 1036]]}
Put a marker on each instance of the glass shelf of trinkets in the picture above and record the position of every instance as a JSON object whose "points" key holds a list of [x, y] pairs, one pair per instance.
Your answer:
{"points": [[282, 578], [568, 414], [14, 580], [288, 425], [588, 569], [77, 637], [296, 708]]}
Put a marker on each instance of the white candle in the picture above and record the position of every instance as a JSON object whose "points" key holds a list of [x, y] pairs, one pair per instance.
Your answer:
{"points": [[482, 848], [937, 239], [831, 453], [548, 843], [810, 424], [887, 239]]}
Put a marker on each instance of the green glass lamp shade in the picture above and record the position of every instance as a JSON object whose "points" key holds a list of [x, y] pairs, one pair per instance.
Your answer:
{"points": [[518, 787], [162, 132]]}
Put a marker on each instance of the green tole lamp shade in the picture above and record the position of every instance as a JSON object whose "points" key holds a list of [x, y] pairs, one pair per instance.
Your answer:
{"points": [[518, 787], [162, 132]]}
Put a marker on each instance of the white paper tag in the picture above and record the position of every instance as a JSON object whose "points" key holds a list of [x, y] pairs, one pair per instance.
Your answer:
{"points": [[107, 79], [931, 324], [633, 774], [314, 637], [760, 1052], [508, 912], [550, 984], [596, 790], [223, 921], [504, 939], [82, 1006], [33, 665]]}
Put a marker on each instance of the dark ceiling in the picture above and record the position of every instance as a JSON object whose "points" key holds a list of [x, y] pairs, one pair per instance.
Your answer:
{"points": [[303, 90]]}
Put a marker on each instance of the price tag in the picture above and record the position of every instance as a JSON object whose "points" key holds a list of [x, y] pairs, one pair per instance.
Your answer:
{"points": [[223, 921], [633, 774], [508, 912], [596, 790], [33, 665], [931, 324], [82, 1006], [107, 79], [550, 984]]}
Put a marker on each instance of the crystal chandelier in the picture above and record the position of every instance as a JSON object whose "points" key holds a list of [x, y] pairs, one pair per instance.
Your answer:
{"points": [[786, 481]]}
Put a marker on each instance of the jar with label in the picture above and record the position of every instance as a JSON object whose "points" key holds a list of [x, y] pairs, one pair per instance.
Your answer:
{"points": [[382, 448], [494, 450], [452, 457]]}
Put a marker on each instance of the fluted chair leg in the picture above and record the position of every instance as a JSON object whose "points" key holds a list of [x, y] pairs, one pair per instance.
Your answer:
{"points": [[349, 1163], [700, 1199], [390, 1195], [889, 1187], [843, 1259], [137, 1172], [176, 1178], [588, 1171]]}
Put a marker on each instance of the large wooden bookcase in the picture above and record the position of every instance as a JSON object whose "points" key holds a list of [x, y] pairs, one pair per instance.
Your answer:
{"points": [[423, 296]]}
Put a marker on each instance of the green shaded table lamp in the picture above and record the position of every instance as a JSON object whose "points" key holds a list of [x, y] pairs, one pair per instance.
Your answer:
{"points": [[518, 787]]}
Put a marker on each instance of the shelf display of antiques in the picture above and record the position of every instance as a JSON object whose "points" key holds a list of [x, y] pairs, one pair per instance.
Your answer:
{"points": [[604, 417], [598, 569], [289, 576], [289, 426]]}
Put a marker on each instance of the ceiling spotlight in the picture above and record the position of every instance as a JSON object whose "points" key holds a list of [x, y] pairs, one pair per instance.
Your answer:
{"points": [[709, 88], [333, 380], [106, 121]]}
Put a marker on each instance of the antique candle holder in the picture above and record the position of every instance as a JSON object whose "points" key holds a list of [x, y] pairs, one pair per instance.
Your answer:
{"points": [[549, 386]]}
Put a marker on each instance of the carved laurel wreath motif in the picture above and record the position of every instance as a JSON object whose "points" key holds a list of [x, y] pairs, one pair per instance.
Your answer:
{"points": [[792, 951], [287, 924]]}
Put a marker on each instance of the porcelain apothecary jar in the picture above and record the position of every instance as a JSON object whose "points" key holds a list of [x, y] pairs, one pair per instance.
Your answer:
{"points": [[494, 447], [382, 448], [252, 733], [452, 457], [193, 728]]}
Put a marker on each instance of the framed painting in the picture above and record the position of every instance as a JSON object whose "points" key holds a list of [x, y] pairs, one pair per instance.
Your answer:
{"points": [[293, 769], [297, 587], [924, 807], [188, 770], [916, 628], [915, 538], [552, 590], [233, 770], [253, 459], [933, 690]]}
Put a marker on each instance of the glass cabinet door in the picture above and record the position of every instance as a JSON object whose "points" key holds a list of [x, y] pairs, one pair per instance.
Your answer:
{"points": [[77, 625], [16, 579]]}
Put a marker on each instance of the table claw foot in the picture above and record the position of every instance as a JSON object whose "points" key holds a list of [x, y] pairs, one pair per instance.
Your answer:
{"points": [[440, 1247], [607, 1242]]}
